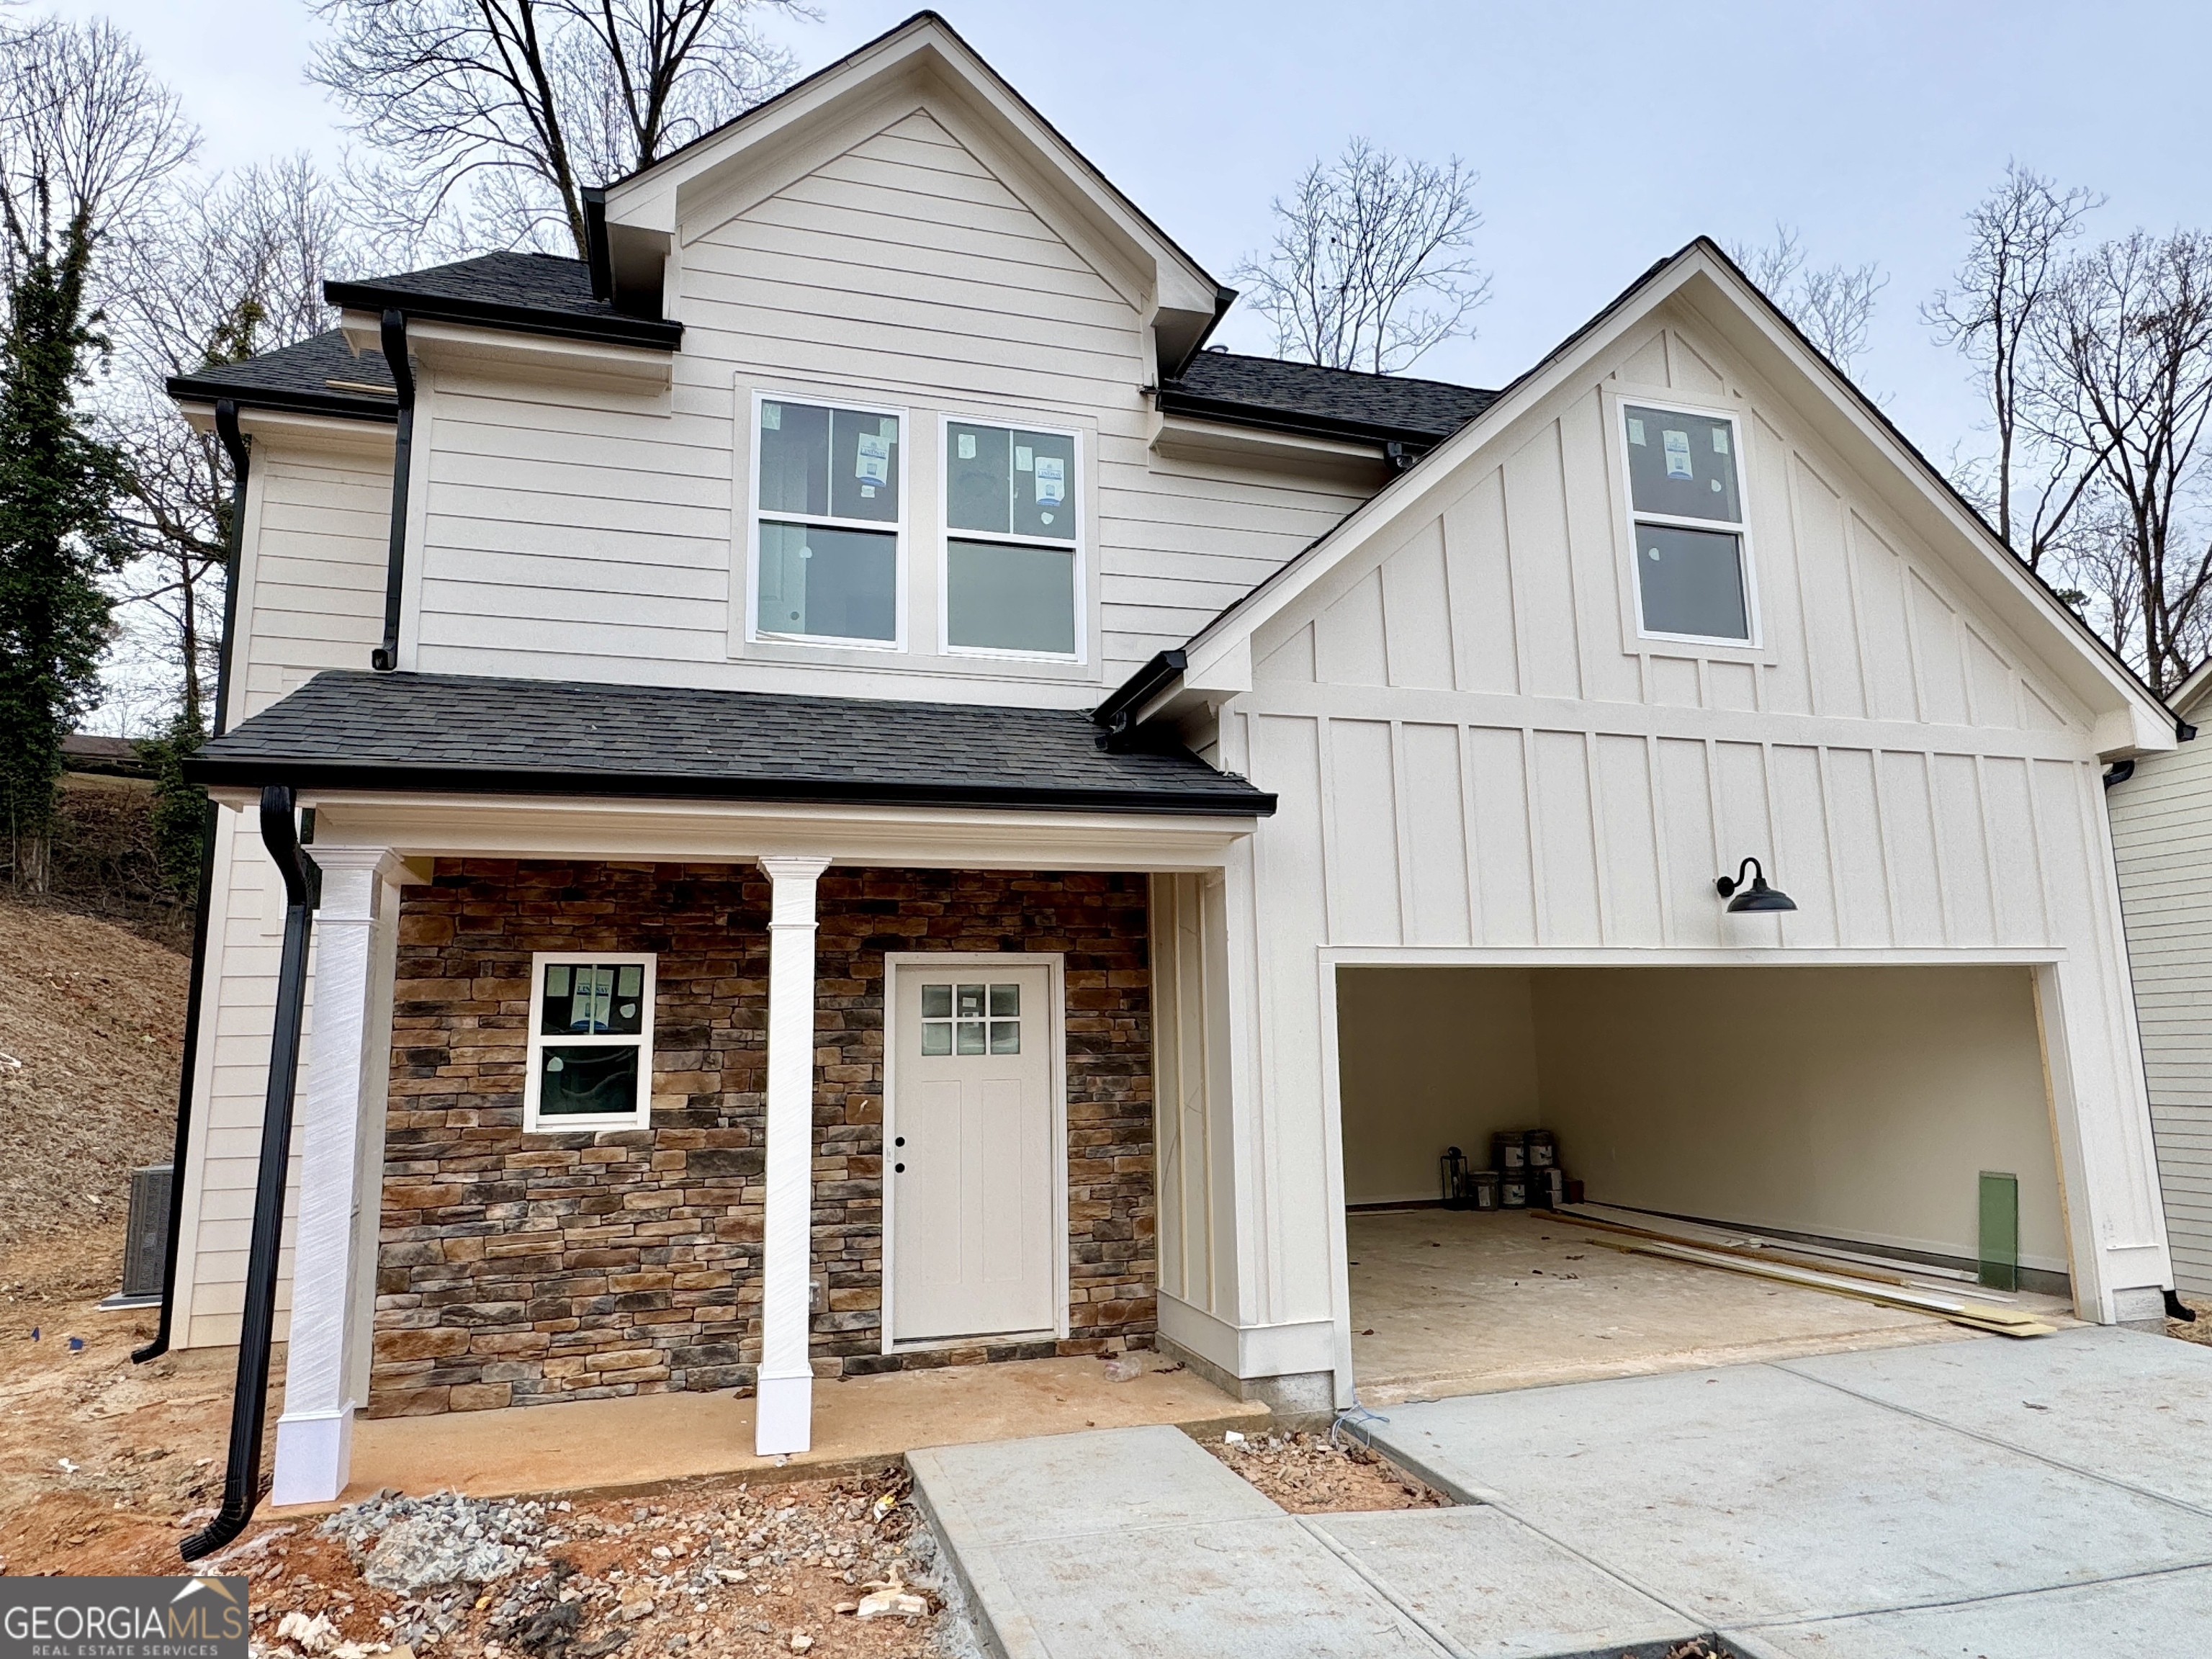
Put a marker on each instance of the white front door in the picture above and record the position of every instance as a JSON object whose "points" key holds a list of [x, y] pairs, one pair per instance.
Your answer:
{"points": [[973, 1147]]}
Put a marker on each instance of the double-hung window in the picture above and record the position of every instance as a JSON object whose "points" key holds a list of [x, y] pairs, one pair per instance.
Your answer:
{"points": [[591, 1042], [1012, 541], [826, 523], [1685, 494]]}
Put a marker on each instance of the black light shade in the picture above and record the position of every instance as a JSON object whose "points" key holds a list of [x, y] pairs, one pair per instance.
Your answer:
{"points": [[1755, 897]]}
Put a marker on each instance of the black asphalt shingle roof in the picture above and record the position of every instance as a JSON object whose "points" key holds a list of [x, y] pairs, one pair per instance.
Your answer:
{"points": [[299, 377], [453, 732], [535, 293], [1303, 396]]}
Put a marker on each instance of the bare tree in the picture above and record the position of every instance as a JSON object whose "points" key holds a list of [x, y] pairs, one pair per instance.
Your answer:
{"points": [[230, 267], [492, 116], [1369, 268], [1831, 305], [2122, 364], [2017, 236]]}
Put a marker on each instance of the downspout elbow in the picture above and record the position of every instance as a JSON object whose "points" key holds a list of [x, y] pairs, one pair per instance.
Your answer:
{"points": [[385, 657]]}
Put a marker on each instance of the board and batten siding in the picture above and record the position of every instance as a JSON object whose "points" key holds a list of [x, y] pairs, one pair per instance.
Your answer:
{"points": [[1477, 758], [311, 597], [589, 532], [2162, 838]]}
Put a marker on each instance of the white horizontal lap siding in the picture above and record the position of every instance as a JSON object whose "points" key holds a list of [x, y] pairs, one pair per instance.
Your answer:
{"points": [[570, 533], [2162, 842], [1471, 748]]}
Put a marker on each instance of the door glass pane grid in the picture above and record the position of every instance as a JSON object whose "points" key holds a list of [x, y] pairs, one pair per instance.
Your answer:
{"points": [[971, 1019]]}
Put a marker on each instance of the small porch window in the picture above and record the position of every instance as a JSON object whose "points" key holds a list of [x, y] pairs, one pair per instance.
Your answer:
{"points": [[1686, 493], [591, 1042], [828, 515], [1012, 542]]}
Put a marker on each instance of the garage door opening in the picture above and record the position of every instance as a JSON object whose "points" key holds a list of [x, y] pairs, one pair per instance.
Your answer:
{"points": [[1853, 1112]]}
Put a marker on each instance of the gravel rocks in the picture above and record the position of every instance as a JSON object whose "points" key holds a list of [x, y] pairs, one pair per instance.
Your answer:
{"points": [[412, 1544]]}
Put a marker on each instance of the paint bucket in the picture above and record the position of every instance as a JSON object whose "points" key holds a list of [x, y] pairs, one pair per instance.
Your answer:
{"points": [[1509, 1150], [1512, 1190], [1481, 1190], [1548, 1188], [1542, 1148]]}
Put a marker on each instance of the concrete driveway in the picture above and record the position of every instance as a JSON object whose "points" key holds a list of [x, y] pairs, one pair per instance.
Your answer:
{"points": [[2009, 1500]]}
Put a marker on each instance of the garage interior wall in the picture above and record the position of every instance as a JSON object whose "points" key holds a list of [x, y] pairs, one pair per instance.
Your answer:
{"points": [[1856, 1103]]}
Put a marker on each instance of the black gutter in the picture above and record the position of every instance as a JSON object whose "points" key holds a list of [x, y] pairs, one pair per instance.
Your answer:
{"points": [[186, 388], [235, 446], [385, 657], [241, 1481], [1118, 714], [1242, 802], [613, 328], [598, 252]]}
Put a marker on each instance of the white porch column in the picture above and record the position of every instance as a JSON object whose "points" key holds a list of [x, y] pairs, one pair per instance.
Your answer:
{"points": [[784, 1419], [342, 1107]]}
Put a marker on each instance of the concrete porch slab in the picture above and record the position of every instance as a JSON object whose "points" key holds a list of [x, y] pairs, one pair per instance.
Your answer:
{"points": [[653, 1439], [1752, 1495], [2122, 1405]]}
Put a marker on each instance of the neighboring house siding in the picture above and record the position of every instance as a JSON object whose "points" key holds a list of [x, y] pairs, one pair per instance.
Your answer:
{"points": [[311, 598], [2162, 838], [601, 534], [524, 1269]]}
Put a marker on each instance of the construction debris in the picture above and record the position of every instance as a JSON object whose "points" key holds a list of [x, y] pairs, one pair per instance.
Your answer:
{"points": [[1314, 1474]]}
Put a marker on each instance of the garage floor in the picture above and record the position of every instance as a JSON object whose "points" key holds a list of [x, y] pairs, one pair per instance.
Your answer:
{"points": [[1445, 1301]]}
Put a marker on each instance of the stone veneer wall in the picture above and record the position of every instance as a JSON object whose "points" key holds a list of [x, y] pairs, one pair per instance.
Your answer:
{"points": [[520, 1269]]}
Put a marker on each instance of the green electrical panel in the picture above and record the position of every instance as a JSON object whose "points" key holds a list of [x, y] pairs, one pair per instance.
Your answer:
{"points": [[2000, 1253]]}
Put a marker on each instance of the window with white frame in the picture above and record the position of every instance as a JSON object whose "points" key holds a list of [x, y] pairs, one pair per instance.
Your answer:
{"points": [[828, 521], [591, 1042], [1685, 495], [1012, 542]]}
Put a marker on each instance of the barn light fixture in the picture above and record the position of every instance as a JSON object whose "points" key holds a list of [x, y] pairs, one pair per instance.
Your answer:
{"points": [[1756, 896]]}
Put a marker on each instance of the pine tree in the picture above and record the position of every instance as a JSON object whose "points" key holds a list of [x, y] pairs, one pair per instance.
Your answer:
{"points": [[59, 531]]}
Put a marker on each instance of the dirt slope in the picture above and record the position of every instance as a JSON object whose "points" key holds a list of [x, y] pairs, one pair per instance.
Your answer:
{"points": [[92, 1020]]}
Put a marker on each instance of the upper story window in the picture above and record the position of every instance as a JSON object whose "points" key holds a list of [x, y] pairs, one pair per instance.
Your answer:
{"points": [[1012, 541], [591, 1042], [829, 523], [1685, 494]]}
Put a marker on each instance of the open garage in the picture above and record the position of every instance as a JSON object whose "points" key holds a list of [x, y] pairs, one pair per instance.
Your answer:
{"points": [[1872, 1120]]}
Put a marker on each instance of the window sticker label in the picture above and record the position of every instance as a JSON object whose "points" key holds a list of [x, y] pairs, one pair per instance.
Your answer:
{"points": [[872, 459], [1051, 481], [967, 446], [1025, 458], [1634, 430], [1677, 446], [889, 429], [771, 417], [1720, 440]]}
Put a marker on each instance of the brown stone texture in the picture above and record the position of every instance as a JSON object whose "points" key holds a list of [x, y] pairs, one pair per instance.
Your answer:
{"points": [[516, 1269]]}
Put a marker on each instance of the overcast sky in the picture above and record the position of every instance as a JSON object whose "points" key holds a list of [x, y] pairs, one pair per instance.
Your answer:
{"points": [[1607, 134]]}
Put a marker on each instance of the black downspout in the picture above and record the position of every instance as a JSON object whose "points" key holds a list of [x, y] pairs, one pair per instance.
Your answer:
{"points": [[385, 657], [234, 443], [241, 1482]]}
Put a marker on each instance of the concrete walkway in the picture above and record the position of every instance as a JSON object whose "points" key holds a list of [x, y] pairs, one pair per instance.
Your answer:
{"points": [[2012, 1500]]}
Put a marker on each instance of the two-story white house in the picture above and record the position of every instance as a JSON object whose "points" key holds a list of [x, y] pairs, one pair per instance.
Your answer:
{"points": [[863, 783]]}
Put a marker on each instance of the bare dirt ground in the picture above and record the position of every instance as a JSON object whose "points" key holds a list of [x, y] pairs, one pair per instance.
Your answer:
{"points": [[1307, 1474], [92, 1020]]}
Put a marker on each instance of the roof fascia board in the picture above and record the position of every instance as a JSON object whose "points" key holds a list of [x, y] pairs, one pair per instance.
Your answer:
{"points": [[649, 333], [2083, 666], [928, 56], [496, 350], [428, 826], [2191, 692], [196, 397], [331, 433]]}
